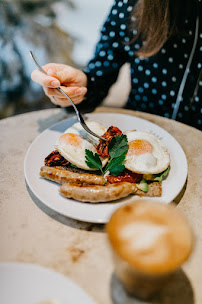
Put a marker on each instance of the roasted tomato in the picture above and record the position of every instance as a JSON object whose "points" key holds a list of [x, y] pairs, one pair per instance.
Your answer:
{"points": [[55, 159], [102, 148], [125, 176]]}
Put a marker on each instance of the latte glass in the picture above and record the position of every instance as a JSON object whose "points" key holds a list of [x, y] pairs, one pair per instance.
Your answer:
{"points": [[149, 242]]}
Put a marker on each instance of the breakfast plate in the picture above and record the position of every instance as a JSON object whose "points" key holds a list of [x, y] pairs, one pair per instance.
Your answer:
{"points": [[32, 284], [47, 191]]}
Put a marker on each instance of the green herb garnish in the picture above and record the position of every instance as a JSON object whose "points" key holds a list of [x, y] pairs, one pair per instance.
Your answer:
{"points": [[116, 166], [117, 148], [93, 160]]}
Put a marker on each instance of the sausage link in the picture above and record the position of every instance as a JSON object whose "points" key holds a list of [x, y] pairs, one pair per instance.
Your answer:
{"points": [[60, 176], [96, 193]]}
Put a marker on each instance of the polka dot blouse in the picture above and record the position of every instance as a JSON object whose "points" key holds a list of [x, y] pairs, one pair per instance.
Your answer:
{"points": [[155, 81]]}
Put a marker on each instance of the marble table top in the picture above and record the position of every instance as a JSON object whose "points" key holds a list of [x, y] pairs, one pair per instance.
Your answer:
{"points": [[33, 233]]}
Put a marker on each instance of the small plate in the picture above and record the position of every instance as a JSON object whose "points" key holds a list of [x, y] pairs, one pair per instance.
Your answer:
{"points": [[32, 284], [47, 192]]}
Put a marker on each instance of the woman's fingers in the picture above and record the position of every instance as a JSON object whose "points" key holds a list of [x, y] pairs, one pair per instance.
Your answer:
{"points": [[73, 80], [76, 94], [63, 102], [70, 91], [45, 80]]}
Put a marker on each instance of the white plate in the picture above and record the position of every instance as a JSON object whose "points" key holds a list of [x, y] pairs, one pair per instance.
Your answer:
{"points": [[32, 284], [47, 192]]}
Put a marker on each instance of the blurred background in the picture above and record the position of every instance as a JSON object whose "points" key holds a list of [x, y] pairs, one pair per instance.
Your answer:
{"points": [[62, 31]]}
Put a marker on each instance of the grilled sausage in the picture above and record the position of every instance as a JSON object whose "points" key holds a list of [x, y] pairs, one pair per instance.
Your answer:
{"points": [[96, 193], [60, 176]]}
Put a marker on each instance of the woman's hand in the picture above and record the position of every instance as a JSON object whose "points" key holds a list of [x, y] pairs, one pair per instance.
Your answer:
{"points": [[72, 81]]}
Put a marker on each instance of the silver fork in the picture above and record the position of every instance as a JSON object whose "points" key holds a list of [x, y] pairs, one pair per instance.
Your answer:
{"points": [[79, 116]]}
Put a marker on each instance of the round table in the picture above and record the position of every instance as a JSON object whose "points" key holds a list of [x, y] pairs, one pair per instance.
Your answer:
{"points": [[32, 233]]}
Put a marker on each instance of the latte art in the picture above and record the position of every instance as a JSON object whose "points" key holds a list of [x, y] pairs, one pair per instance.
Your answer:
{"points": [[152, 237], [142, 236], [149, 243]]}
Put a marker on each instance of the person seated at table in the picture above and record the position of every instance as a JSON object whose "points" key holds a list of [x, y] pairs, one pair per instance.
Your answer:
{"points": [[161, 41]]}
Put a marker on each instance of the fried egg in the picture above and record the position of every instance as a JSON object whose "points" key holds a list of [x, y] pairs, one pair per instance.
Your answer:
{"points": [[146, 153], [75, 140]]}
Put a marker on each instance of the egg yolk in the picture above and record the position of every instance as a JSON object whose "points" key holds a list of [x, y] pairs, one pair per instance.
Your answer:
{"points": [[71, 139], [139, 146]]}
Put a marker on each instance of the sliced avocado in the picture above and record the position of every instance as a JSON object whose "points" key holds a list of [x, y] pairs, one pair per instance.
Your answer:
{"points": [[143, 185], [159, 177]]}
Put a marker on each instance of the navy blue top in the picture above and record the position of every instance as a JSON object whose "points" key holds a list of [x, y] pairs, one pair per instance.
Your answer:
{"points": [[155, 81]]}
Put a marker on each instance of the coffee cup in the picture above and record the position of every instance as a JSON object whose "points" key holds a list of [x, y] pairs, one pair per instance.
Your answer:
{"points": [[149, 242]]}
